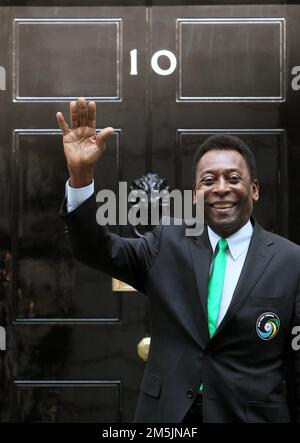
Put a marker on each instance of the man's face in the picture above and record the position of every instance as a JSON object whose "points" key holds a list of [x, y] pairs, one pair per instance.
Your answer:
{"points": [[229, 194]]}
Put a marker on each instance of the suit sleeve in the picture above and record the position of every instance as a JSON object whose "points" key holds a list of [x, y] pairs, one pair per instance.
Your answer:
{"points": [[127, 259]]}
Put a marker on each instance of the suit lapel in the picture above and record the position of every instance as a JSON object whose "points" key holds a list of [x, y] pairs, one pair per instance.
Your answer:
{"points": [[258, 257], [201, 252]]}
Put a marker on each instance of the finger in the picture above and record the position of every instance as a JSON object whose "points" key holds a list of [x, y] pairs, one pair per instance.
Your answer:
{"points": [[92, 115], [62, 123], [74, 115], [82, 111], [102, 136]]}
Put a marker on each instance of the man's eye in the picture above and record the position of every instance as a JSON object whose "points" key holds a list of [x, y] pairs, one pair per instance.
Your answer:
{"points": [[234, 179], [208, 181]]}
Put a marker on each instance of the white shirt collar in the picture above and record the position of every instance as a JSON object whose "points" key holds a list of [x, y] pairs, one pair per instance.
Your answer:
{"points": [[237, 242]]}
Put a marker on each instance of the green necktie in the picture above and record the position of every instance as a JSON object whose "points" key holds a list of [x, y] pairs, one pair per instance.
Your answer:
{"points": [[215, 286]]}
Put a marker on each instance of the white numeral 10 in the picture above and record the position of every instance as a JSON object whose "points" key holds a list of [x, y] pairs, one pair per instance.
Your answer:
{"points": [[154, 62]]}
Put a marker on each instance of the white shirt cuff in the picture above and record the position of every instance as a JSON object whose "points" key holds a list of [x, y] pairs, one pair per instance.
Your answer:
{"points": [[76, 196]]}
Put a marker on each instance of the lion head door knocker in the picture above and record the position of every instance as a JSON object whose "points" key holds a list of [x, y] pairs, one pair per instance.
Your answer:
{"points": [[148, 198]]}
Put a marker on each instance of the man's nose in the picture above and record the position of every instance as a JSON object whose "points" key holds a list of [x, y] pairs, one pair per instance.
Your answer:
{"points": [[222, 186]]}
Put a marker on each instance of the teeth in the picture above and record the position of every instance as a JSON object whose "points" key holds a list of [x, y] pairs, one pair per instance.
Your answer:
{"points": [[223, 205]]}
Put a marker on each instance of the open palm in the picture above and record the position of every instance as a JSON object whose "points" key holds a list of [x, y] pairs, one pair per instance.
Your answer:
{"points": [[82, 145]]}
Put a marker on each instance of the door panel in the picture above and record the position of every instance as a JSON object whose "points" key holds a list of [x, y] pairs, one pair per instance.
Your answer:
{"points": [[52, 39], [220, 59]]}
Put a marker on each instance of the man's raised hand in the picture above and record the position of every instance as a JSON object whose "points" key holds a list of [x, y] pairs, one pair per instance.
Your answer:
{"points": [[82, 145]]}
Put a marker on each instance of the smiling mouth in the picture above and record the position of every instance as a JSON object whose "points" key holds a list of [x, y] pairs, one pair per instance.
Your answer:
{"points": [[223, 205]]}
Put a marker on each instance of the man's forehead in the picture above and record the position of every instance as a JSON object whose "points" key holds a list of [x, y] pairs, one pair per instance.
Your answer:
{"points": [[225, 160]]}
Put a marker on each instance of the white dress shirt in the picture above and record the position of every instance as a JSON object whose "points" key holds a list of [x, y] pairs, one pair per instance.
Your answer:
{"points": [[238, 244], [76, 196]]}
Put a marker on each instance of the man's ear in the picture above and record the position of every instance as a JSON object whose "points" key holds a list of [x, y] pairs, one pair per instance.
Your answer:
{"points": [[194, 195], [255, 190]]}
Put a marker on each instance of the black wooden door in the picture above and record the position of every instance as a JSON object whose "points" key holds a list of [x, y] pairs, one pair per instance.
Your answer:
{"points": [[71, 341], [165, 77]]}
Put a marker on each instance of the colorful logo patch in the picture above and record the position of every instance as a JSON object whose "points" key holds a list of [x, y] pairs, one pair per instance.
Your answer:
{"points": [[267, 325]]}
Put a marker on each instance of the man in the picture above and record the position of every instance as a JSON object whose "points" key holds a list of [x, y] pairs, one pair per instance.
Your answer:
{"points": [[223, 304]]}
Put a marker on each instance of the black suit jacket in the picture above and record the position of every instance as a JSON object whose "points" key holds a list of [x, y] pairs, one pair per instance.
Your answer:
{"points": [[243, 374]]}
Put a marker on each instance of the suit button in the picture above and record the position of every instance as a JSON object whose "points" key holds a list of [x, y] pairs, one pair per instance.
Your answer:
{"points": [[190, 393], [207, 355]]}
